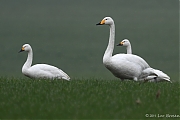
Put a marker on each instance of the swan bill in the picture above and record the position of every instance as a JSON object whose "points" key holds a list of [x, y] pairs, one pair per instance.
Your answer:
{"points": [[98, 24], [22, 49], [101, 23], [118, 45]]}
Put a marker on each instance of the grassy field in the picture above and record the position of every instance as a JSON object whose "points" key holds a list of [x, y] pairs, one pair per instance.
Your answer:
{"points": [[64, 34], [86, 99]]}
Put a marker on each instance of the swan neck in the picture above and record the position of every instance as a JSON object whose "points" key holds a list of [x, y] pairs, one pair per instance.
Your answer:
{"points": [[28, 62], [129, 49], [110, 47]]}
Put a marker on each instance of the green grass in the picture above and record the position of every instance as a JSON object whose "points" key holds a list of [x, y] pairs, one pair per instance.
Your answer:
{"points": [[85, 99], [64, 34]]}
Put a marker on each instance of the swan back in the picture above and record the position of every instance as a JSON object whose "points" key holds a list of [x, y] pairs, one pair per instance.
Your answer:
{"points": [[133, 59], [45, 71]]}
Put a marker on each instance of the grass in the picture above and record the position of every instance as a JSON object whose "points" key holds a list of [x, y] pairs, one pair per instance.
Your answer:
{"points": [[85, 99], [71, 41]]}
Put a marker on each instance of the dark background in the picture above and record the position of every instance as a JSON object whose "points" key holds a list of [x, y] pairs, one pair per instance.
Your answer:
{"points": [[63, 33]]}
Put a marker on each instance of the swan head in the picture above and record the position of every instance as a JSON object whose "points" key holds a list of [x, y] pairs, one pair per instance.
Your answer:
{"points": [[106, 21], [124, 42], [26, 47]]}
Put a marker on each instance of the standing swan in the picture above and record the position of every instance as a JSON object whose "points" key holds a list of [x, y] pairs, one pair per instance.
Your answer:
{"points": [[161, 76], [42, 71], [124, 66]]}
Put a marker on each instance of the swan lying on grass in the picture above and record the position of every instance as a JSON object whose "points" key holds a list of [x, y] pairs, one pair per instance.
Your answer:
{"points": [[160, 75], [42, 71]]}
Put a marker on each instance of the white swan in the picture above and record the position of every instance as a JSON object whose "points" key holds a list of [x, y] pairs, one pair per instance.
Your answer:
{"points": [[42, 71], [161, 76], [124, 66], [127, 44]]}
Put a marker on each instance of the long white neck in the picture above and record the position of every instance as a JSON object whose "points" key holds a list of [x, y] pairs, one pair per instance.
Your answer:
{"points": [[28, 62], [129, 49], [110, 47]]}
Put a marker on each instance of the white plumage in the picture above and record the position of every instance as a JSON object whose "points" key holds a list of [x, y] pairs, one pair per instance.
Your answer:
{"points": [[124, 66], [127, 44], [160, 75], [42, 71]]}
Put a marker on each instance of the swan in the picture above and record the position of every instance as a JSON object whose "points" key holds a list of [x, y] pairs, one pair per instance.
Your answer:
{"points": [[124, 66], [42, 71], [161, 76], [127, 44]]}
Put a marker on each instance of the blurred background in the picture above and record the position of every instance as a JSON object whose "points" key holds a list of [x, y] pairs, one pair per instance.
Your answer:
{"points": [[63, 33]]}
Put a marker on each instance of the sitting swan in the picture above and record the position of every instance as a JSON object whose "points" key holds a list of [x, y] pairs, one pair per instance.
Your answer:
{"points": [[124, 66], [161, 76], [42, 71]]}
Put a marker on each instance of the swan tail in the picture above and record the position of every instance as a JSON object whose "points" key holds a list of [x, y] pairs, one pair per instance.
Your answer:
{"points": [[154, 75], [66, 78], [162, 76], [64, 75], [148, 72]]}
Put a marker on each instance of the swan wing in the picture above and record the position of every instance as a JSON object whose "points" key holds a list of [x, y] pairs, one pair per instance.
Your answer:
{"points": [[133, 59], [46, 71]]}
